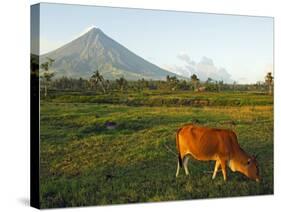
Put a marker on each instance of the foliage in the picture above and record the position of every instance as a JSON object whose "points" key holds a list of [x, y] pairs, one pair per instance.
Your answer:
{"points": [[269, 82], [97, 79], [195, 80], [98, 84], [122, 83], [163, 98], [46, 75]]}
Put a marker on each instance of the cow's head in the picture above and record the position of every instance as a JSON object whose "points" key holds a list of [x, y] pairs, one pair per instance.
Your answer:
{"points": [[252, 169]]}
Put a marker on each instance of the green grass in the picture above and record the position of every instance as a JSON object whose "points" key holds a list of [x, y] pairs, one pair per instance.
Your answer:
{"points": [[164, 98], [84, 163]]}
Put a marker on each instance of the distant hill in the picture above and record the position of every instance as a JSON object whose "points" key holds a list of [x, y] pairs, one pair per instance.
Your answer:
{"points": [[95, 50]]}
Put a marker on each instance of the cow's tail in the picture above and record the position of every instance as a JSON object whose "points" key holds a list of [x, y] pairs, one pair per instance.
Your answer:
{"points": [[178, 147]]}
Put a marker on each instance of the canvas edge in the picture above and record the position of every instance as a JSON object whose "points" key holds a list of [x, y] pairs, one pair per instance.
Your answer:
{"points": [[34, 107]]}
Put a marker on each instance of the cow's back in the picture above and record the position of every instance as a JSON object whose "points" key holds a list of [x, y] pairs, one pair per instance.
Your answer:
{"points": [[205, 143]]}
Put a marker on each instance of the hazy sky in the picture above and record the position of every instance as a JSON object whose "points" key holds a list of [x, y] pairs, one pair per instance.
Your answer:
{"points": [[236, 48]]}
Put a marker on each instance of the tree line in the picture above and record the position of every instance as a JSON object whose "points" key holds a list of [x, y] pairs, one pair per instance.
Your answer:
{"points": [[97, 83]]}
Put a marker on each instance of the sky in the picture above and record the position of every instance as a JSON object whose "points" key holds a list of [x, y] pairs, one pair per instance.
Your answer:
{"points": [[223, 47]]}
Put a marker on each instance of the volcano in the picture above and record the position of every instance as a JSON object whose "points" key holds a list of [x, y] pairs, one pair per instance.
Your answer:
{"points": [[95, 50]]}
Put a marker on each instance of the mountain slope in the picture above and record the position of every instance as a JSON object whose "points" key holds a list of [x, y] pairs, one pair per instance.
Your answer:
{"points": [[95, 50]]}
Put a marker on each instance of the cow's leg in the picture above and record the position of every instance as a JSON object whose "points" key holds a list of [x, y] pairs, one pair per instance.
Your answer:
{"points": [[223, 168], [217, 165], [178, 169], [185, 164]]}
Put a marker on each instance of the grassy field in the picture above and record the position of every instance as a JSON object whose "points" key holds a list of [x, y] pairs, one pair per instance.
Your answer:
{"points": [[84, 163], [164, 98]]}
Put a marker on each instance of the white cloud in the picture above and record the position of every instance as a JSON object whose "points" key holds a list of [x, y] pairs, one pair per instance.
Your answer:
{"points": [[184, 56], [204, 69], [180, 70]]}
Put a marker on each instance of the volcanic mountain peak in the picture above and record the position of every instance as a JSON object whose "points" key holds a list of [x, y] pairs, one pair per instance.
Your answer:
{"points": [[95, 50]]}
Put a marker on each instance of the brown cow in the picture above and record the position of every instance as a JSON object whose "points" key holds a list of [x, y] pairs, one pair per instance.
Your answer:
{"points": [[220, 145]]}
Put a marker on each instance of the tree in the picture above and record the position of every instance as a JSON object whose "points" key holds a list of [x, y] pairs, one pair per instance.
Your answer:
{"points": [[47, 74], [107, 85], [80, 84], [210, 85], [195, 81], [220, 85], [122, 83], [269, 82], [234, 85], [183, 85], [172, 82], [260, 85], [141, 84], [168, 78], [97, 79], [209, 80]]}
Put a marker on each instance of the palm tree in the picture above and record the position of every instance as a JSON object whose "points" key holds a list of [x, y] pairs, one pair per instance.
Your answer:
{"points": [[195, 81], [172, 82], [96, 79], [122, 83], [107, 85], [46, 74], [168, 78], [209, 80], [234, 85], [220, 85], [269, 82]]}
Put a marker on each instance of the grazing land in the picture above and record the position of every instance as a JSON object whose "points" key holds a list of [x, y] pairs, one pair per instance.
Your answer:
{"points": [[84, 162]]}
